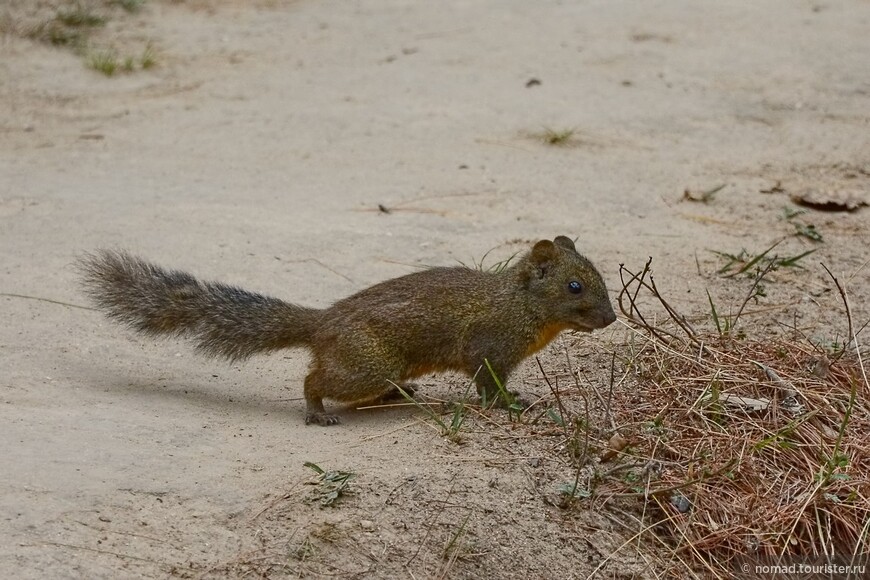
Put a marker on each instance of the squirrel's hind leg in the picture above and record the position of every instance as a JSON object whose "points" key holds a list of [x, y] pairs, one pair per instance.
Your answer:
{"points": [[314, 411], [331, 381]]}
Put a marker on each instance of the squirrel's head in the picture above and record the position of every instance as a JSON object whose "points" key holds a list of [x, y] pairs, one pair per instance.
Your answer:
{"points": [[567, 285]]}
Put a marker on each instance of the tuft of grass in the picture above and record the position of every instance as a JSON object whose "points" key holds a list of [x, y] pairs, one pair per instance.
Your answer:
{"points": [[808, 231], [451, 550], [108, 62], [802, 229], [61, 35], [104, 61], [80, 16], [722, 327], [791, 261], [510, 400], [557, 137], [148, 59], [332, 484], [496, 268], [70, 26], [725, 324], [451, 430], [131, 6], [73, 24], [742, 262]]}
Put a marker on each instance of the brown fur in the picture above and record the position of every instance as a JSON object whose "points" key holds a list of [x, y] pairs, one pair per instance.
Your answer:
{"points": [[435, 320]]}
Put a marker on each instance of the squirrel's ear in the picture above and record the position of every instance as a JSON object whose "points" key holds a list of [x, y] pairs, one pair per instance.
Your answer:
{"points": [[565, 242], [543, 255], [544, 251]]}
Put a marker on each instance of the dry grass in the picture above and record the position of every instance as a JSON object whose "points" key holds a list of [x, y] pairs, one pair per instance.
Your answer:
{"points": [[738, 449], [81, 26]]}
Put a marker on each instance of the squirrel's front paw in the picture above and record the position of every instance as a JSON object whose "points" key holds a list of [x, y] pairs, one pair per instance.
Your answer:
{"points": [[323, 419]]}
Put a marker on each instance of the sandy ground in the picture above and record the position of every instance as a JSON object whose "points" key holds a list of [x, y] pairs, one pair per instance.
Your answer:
{"points": [[258, 151]]}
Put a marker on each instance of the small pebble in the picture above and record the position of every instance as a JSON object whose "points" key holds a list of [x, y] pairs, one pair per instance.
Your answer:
{"points": [[681, 502]]}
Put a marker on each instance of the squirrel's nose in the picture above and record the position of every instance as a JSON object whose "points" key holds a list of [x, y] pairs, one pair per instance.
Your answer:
{"points": [[608, 318]]}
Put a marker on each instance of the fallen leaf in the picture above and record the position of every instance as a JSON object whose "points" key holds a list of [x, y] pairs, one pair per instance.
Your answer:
{"points": [[746, 403], [616, 444], [829, 200]]}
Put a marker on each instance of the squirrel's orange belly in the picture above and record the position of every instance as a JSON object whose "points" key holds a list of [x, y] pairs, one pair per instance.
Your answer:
{"points": [[545, 337]]}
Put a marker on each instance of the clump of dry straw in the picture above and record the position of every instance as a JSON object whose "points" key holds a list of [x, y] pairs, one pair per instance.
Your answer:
{"points": [[755, 449]]}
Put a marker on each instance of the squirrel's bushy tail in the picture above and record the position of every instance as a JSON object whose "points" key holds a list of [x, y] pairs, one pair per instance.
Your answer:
{"points": [[223, 320]]}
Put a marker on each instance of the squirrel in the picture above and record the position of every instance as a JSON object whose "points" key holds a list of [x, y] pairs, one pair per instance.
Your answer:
{"points": [[363, 346]]}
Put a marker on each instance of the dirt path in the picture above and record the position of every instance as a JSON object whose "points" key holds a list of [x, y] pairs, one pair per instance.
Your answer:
{"points": [[258, 152]]}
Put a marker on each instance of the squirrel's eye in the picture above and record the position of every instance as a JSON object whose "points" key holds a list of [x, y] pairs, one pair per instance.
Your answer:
{"points": [[575, 287]]}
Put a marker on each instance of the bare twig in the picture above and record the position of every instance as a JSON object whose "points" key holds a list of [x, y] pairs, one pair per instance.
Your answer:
{"points": [[49, 300], [769, 267]]}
